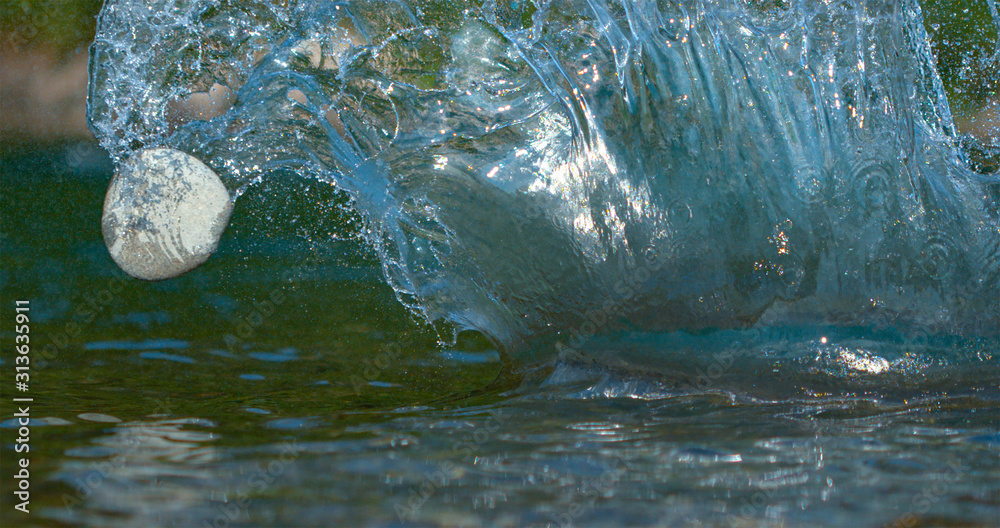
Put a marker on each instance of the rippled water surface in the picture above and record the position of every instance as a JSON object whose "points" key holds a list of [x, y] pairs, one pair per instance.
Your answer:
{"points": [[595, 263], [338, 409]]}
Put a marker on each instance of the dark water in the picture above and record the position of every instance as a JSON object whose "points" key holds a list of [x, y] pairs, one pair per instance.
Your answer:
{"points": [[331, 406], [520, 264]]}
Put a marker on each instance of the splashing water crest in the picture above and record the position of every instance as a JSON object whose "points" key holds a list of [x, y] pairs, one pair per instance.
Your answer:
{"points": [[560, 173]]}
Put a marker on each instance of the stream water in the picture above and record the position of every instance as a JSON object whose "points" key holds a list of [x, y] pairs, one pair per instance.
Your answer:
{"points": [[583, 263]]}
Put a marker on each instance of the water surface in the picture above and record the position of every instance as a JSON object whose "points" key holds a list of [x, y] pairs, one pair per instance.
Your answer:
{"points": [[521, 264]]}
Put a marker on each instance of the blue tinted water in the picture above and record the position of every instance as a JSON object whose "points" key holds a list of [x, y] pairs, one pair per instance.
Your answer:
{"points": [[195, 402], [727, 263], [547, 173]]}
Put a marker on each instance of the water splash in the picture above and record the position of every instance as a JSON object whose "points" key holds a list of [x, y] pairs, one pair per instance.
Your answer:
{"points": [[546, 172]]}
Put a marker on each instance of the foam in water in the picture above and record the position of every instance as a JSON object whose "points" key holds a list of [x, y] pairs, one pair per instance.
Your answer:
{"points": [[550, 171]]}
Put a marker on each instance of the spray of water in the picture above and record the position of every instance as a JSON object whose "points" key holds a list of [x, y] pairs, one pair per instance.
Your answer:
{"points": [[549, 171]]}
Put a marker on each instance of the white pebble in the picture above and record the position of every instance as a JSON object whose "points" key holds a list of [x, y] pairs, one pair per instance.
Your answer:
{"points": [[164, 214]]}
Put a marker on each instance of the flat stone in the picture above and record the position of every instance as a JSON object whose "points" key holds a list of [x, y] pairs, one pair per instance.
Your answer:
{"points": [[164, 213]]}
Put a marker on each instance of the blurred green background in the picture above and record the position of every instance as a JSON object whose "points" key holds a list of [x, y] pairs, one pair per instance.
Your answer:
{"points": [[61, 26], [964, 38]]}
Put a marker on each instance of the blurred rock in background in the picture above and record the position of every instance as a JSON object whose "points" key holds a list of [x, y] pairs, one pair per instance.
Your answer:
{"points": [[43, 68], [43, 95]]}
